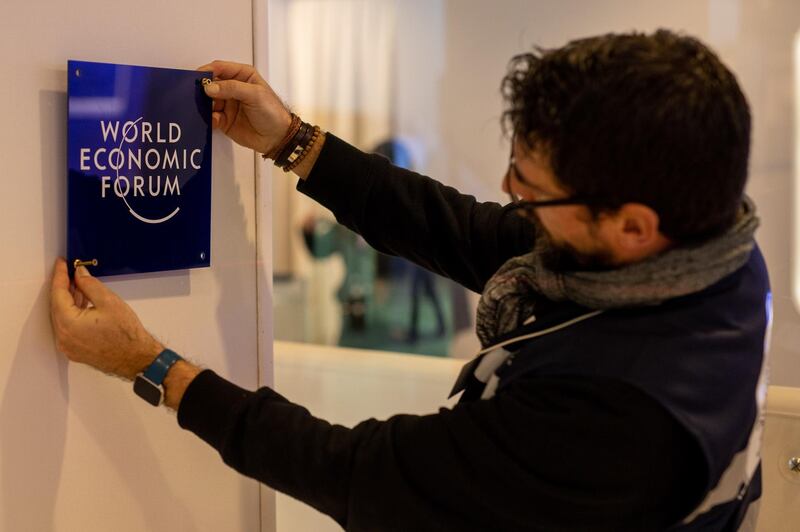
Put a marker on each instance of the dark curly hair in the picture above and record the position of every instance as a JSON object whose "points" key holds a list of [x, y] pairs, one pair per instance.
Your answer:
{"points": [[655, 119]]}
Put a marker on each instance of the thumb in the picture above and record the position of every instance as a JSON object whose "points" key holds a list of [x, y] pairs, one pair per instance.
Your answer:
{"points": [[232, 89], [91, 287]]}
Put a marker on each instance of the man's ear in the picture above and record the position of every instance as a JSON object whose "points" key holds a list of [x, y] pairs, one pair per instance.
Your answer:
{"points": [[636, 232]]}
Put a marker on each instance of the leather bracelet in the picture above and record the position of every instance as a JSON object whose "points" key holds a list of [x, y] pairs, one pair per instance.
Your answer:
{"points": [[298, 150], [293, 127], [306, 150], [283, 157]]}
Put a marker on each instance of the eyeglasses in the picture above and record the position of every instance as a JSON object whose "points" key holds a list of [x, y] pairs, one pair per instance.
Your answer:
{"points": [[530, 206]]}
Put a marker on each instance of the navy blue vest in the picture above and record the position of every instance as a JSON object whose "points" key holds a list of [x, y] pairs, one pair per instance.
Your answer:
{"points": [[701, 356]]}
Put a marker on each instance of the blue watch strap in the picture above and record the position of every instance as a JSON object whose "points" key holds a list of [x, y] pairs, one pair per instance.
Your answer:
{"points": [[156, 371]]}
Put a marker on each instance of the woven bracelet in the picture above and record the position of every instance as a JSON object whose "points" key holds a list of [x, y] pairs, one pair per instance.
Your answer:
{"points": [[293, 127]]}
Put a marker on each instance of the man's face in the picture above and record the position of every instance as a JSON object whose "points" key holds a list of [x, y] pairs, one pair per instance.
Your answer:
{"points": [[568, 237]]}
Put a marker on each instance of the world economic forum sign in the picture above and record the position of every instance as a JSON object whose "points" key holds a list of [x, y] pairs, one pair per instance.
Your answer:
{"points": [[139, 168]]}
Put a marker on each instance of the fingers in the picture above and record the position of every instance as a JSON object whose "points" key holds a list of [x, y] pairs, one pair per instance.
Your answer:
{"points": [[60, 298], [218, 121], [93, 290], [220, 110], [81, 301], [232, 89], [230, 70]]}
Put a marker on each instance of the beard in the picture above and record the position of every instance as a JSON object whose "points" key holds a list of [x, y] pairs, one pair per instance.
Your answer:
{"points": [[564, 257]]}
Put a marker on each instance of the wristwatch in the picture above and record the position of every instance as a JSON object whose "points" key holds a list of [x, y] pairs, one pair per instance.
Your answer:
{"points": [[149, 384]]}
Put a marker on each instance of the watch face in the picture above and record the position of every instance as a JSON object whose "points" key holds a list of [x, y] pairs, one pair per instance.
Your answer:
{"points": [[147, 390]]}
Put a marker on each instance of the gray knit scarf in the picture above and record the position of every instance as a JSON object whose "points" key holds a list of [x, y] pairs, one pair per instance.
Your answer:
{"points": [[512, 295]]}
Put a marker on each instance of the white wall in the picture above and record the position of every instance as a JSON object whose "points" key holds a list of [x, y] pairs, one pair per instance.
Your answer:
{"points": [[78, 451]]}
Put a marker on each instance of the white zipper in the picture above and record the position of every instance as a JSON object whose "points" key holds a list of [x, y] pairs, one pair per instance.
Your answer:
{"points": [[549, 330]]}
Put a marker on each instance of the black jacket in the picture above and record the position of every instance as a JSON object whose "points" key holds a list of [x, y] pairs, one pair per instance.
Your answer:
{"points": [[587, 430]]}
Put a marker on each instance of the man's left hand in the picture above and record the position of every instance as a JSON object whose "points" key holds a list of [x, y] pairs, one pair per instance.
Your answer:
{"points": [[94, 326]]}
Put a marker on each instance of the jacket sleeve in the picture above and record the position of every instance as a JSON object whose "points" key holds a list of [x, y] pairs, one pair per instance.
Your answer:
{"points": [[552, 454], [399, 212]]}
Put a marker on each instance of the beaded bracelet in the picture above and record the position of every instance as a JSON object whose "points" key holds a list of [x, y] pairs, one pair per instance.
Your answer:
{"points": [[295, 145]]}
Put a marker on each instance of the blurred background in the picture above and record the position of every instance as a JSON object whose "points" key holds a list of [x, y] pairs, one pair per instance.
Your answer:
{"points": [[418, 81]]}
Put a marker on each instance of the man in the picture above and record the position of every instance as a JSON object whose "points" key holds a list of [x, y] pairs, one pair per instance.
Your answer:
{"points": [[623, 314]]}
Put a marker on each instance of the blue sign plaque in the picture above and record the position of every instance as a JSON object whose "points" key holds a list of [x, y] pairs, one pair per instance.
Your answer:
{"points": [[139, 168]]}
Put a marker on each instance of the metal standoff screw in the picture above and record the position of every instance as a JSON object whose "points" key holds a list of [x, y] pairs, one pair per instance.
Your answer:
{"points": [[205, 81], [794, 464], [79, 262]]}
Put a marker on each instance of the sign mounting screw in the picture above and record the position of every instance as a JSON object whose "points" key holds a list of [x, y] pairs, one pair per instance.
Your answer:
{"points": [[79, 262]]}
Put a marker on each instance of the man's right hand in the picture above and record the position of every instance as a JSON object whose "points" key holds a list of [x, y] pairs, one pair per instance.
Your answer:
{"points": [[245, 106]]}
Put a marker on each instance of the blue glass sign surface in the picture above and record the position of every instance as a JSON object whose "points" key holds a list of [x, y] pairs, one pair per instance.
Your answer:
{"points": [[139, 168]]}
